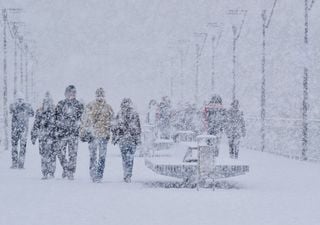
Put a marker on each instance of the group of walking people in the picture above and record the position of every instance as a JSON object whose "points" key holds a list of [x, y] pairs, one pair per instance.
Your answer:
{"points": [[58, 129], [213, 119]]}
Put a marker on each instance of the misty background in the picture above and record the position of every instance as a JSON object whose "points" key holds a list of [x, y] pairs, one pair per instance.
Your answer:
{"points": [[126, 47]]}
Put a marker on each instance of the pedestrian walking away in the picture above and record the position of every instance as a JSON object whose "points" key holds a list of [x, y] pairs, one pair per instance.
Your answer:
{"points": [[236, 128], [96, 130], [127, 133], [21, 111], [68, 113]]}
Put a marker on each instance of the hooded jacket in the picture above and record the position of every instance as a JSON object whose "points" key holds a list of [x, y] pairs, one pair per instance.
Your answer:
{"points": [[44, 125], [21, 111], [68, 113], [127, 125]]}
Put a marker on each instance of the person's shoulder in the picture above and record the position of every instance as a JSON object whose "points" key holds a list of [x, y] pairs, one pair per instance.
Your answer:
{"points": [[79, 104], [61, 102], [109, 106], [27, 105], [90, 104]]}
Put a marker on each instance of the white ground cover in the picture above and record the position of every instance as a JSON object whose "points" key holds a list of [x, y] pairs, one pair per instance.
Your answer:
{"points": [[275, 191]]}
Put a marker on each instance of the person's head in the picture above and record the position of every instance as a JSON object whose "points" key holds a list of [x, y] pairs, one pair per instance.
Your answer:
{"points": [[126, 104], [47, 101], [100, 94], [20, 96], [216, 99], [70, 92], [235, 104]]}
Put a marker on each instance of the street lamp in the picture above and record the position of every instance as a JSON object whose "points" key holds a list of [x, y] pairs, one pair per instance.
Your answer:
{"points": [[216, 31], [200, 39], [236, 30]]}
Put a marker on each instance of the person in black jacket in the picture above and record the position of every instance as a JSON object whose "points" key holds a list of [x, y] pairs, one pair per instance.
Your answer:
{"points": [[68, 113], [127, 132], [21, 111], [235, 128], [44, 130]]}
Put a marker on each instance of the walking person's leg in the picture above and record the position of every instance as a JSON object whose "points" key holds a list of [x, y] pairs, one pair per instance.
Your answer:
{"points": [[230, 147], [52, 159], [236, 147], [73, 152], [130, 159], [23, 148], [43, 159], [14, 150], [124, 150], [103, 142], [93, 159], [61, 153]]}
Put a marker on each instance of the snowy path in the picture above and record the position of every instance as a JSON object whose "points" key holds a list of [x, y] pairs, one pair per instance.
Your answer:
{"points": [[276, 191]]}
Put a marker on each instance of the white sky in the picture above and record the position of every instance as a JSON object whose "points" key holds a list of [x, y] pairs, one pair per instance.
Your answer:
{"points": [[119, 45]]}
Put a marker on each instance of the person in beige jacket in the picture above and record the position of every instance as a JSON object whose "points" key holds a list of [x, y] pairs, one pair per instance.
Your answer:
{"points": [[96, 130]]}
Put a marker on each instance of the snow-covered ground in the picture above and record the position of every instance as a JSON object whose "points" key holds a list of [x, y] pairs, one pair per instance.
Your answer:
{"points": [[276, 191]]}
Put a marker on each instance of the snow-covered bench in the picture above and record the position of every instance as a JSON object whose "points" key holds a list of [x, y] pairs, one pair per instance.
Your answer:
{"points": [[184, 136], [196, 161]]}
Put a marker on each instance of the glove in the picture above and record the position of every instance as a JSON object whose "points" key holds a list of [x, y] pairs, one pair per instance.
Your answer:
{"points": [[114, 141]]}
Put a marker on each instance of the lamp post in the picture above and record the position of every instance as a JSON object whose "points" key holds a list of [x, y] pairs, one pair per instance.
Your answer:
{"points": [[200, 39], [5, 80], [265, 25], [236, 35], [183, 48], [215, 39], [305, 101]]}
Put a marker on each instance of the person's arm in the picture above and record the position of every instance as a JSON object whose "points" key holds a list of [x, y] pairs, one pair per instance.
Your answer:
{"points": [[243, 126], [115, 130], [36, 127], [11, 109], [30, 111], [137, 129]]}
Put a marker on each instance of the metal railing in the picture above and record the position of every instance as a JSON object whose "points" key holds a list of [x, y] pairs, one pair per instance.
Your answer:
{"points": [[284, 137]]}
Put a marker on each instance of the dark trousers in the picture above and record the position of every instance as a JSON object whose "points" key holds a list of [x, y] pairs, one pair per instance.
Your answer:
{"points": [[127, 153], [48, 157], [234, 143], [18, 157], [97, 163], [68, 145]]}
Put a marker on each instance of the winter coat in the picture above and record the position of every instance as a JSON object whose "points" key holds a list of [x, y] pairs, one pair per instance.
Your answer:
{"points": [[44, 125], [127, 127], [164, 115], [68, 113], [97, 119], [215, 117], [21, 112], [235, 127]]}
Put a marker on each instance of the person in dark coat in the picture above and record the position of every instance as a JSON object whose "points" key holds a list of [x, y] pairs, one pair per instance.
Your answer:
{"points": [[235, 128], [44, 130], [68, 113], [215, 117], [21, 112], [127, 133]]}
